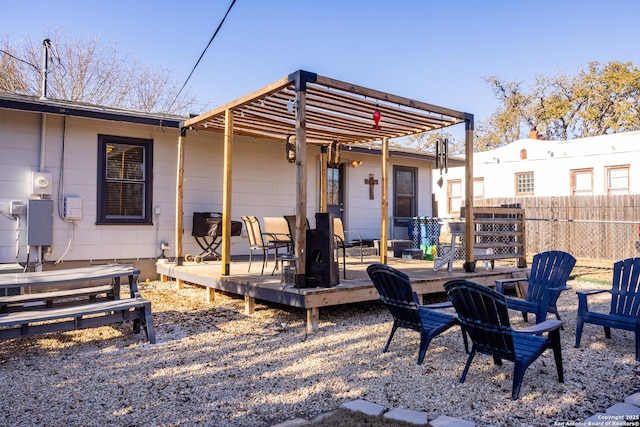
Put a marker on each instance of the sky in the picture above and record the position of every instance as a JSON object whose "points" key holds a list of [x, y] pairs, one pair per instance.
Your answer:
{"points": [[435, 52]]}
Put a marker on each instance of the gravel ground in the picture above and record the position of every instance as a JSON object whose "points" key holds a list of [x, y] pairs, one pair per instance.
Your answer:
{"points": [[214, 366]]}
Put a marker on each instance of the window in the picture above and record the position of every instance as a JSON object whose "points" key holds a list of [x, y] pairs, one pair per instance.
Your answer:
{"points": [[478, 188], [333, 186], [124, 180], [618, 180], [582, 182], [524, 184], [454, 196], [405, 192]]}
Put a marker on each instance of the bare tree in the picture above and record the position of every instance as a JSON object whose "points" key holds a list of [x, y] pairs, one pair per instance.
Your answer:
{"points": [[82, 71]]}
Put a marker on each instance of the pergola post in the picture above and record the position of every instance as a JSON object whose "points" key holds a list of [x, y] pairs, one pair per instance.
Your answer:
{"points": [[226, 192], [179, 203], [384, 202], [301, 178], [323, 178], [470, 263]]}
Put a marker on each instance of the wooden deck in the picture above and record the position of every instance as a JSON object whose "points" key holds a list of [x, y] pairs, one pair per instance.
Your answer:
{"points": [[355, 288]]}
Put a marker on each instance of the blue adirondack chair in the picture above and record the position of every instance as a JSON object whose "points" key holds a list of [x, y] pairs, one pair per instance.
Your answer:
{"points": [[548, 278], [624, 312], [484, 316], [396, 293]]}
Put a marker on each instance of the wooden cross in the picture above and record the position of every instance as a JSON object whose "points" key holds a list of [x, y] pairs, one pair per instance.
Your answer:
{"points": [[371, 182]]}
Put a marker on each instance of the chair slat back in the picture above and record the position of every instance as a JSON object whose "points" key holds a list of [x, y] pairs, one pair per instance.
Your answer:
{"points": [[275, 225], [254, 232], [338, 229], [549, 269], [484, 316], [397, 294], [625, 293]]}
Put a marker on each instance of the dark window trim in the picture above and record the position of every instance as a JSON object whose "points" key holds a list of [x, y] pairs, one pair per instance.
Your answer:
{"points": [[396, 169], [101, 217]]}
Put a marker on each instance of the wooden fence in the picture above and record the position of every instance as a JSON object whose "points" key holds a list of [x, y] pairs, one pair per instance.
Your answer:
{"points": [[597, 228]]}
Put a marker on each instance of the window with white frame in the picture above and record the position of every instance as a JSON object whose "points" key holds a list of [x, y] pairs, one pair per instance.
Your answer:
{"points": [[524, 184], [582, 182], [478, 188], [454, 196], [618, 179]]}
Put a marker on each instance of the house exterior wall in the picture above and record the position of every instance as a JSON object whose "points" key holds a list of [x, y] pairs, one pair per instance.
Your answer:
{"points": [[551, 163], [264, 184]]}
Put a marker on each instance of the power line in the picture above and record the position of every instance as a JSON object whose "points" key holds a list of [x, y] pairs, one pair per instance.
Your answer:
{"points": [[21, 60], [200, 58]]}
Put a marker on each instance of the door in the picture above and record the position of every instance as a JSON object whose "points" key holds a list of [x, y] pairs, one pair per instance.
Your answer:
{"points": [[335, 191]]}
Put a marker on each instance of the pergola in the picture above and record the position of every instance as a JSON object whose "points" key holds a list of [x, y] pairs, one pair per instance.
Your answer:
{"points": [[319, 110]]}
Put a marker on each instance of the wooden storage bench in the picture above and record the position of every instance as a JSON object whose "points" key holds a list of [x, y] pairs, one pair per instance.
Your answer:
{"points": [[60, 300]]}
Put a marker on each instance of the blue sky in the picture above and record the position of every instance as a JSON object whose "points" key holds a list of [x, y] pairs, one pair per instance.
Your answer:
{"points": [[436, 52]]}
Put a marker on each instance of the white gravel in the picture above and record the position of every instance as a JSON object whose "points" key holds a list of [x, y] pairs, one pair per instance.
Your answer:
{"points": [[214, 366]]}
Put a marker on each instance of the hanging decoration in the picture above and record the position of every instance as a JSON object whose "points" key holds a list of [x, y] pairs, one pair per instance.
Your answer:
{"points": [[333, 159], [377, 115], [290, 148], [442, 155]]}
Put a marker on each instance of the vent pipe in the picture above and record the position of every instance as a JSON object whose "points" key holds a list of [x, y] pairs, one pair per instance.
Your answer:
{"points": [[46, 44]]}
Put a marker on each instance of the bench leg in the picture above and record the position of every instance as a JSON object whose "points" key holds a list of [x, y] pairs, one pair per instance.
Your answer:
{"points": [[147, 320]]}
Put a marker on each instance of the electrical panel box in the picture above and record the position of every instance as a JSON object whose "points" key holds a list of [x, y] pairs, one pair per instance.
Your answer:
{"points": [[41, 183], [40, 222], [72, 208]]}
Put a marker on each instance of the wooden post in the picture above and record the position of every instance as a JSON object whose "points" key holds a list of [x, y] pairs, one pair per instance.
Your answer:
{"points": [[470, 263], [226, 192], [323, 178], [179, 205], [301, 178], [384, 201]]}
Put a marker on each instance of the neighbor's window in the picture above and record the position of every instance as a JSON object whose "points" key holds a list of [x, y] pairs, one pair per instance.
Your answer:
{"points": [[454, 196], [618, 180], [524, 184], [582, 182], [124, 180], [405, 192], [478, 188]]}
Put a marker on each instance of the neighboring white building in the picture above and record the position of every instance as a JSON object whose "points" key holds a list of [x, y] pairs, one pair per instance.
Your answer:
{"points": [[598, 165]]}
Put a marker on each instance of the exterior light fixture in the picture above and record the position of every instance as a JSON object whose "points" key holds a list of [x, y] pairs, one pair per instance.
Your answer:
{"points": [[356, 163]]}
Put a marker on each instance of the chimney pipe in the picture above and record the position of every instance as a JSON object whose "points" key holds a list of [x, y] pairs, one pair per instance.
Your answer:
{"points": [[46, 44]]}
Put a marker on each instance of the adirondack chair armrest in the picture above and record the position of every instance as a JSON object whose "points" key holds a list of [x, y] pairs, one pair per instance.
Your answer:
{"points": [[500, 284], [583, 304], [546, 326]]}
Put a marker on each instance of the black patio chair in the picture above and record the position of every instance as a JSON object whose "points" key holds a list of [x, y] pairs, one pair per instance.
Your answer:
{"points": [[396, 293], [484, 316]]}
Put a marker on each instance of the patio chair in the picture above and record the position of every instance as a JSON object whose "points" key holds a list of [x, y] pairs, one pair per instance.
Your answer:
{"points": [[257, 242], [397, 294], [547, 279], [341, 242], [624, 311], [277, 230], [484, 316], [291, 224]]}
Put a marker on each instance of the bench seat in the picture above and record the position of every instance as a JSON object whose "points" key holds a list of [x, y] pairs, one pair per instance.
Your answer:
{"points": [[31, 322], [17, 302]]}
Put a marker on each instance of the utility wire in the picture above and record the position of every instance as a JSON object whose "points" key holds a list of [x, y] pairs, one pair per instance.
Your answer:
{"points": [[199, 59], [21, 60]]}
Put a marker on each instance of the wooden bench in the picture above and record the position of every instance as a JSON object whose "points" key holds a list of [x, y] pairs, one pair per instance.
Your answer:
{"points": [[47, 308]]}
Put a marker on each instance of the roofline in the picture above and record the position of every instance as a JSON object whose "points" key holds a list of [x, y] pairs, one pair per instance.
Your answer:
{"points": [[25, 103], [453, 161]]}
